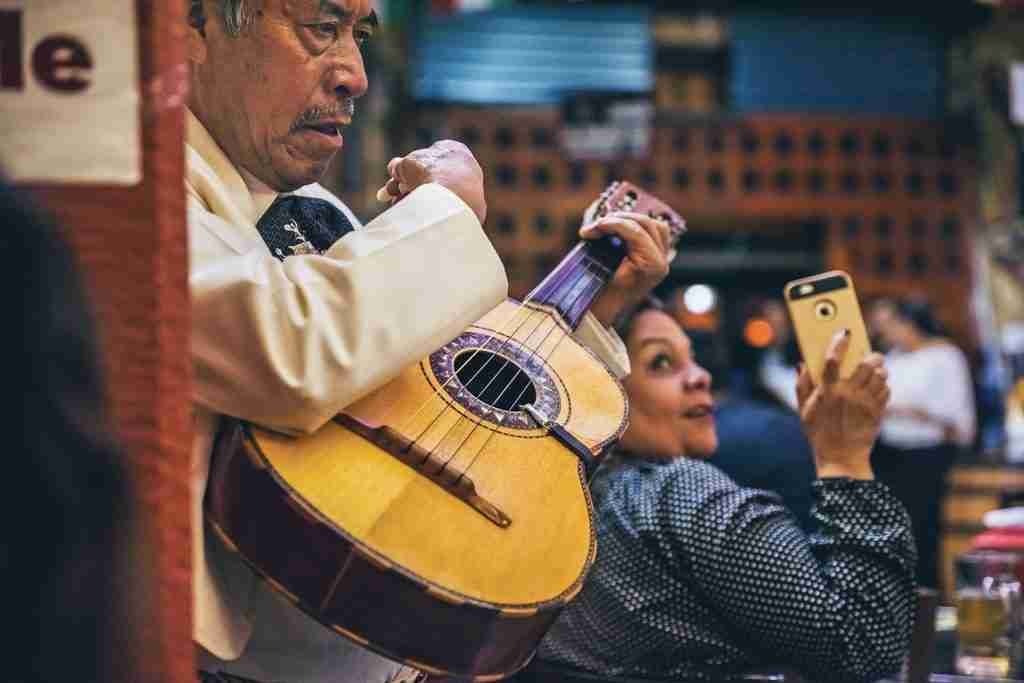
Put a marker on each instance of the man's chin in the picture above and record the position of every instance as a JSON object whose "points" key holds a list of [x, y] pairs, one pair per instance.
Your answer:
{"points": [[297, 166], [297, 176]]}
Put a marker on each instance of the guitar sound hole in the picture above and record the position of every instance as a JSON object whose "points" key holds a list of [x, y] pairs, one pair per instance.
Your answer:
{"points": [[494, 379]]}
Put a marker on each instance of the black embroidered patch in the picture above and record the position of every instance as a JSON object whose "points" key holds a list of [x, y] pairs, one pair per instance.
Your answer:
{"points": [[302, 225]]}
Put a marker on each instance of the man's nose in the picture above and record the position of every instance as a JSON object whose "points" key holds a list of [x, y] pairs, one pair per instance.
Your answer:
{"points": [[347, 75]]}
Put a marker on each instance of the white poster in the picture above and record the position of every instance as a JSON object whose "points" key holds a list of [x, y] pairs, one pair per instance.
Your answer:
{"points": [[69, 100]]}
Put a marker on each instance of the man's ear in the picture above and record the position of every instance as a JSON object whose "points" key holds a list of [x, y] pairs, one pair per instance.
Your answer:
{"points": [[196, 45]]}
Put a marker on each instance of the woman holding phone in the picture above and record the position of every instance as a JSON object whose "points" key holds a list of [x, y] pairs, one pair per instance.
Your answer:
{"points": [[698, 578]]}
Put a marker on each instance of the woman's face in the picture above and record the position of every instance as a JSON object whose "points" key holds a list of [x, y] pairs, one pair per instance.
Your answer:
{"points": [[669, 394]]}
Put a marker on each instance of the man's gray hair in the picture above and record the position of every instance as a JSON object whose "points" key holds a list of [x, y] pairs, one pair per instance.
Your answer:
{"points": [[235, 14]]}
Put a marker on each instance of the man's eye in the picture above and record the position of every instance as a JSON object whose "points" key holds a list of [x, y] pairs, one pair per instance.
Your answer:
{"points": [[326, 30]]}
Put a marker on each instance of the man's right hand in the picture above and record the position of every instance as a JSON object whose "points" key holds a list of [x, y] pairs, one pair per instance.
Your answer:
{"points": [[842, 417], [446, 162]]}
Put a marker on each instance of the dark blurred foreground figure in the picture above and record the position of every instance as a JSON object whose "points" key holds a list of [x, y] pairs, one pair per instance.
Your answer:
{"points": [[930, 419], [697, 578], [65, 495]]}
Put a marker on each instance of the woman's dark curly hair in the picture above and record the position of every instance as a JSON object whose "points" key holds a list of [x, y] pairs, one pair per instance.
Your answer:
{"points": [[623, 323]]}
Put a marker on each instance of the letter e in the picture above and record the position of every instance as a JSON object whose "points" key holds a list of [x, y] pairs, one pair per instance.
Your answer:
{"points": [[59, 62]]}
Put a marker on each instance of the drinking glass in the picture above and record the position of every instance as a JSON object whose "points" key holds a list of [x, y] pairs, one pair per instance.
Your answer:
{"points": [[988, 604]]}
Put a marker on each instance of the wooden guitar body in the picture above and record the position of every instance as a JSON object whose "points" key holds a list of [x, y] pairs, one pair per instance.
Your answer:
{"points": [[444, 520], [470, 597]]}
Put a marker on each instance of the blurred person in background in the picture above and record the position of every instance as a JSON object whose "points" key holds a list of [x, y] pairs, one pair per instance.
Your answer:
{"points": [[65, 539], [1007, 391], [698, 578], [777, 371], [931, 418]]}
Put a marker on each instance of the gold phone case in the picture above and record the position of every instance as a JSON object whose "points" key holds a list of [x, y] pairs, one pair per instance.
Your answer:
{"points": [[819, 306]]}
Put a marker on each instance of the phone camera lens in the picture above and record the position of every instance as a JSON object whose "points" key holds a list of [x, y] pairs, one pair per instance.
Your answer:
{"points": [[825, 310]]}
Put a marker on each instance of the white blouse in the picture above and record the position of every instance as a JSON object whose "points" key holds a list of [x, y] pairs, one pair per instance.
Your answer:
{"points": [[935, 379]]}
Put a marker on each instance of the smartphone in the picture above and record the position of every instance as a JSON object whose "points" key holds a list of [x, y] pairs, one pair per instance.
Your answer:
{"points": [[819, 306]]}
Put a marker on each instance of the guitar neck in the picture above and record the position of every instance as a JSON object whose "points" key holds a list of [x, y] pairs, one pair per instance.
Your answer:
{"points": [[577, 281], [582, 275]]}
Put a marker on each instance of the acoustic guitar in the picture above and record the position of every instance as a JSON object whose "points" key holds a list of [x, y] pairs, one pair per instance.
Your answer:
{"points": [[444, 520]]}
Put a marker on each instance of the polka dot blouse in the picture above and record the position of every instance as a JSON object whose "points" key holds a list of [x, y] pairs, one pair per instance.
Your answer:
{"points": [[697, 578]]}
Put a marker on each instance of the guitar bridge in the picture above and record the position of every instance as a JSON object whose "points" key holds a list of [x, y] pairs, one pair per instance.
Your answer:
{"points": [[428, 465]]}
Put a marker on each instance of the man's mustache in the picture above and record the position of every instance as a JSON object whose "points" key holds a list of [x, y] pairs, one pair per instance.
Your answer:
{"points": [[346, 108]]}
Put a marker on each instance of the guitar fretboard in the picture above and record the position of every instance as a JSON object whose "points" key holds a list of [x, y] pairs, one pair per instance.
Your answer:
{"points": [[581, 276]]}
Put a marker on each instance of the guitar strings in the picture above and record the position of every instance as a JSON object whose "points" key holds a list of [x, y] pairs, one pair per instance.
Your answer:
{"points": [[477, 423], [523, 306], [542, 315], [508, 339], [526, 344], [533, 352], [522, 393], [676, 231], [466, 385], [589, 275], [575, 254]]}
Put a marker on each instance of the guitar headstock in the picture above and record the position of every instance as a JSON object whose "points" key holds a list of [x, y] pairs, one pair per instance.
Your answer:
{"points": [[623, 195]]}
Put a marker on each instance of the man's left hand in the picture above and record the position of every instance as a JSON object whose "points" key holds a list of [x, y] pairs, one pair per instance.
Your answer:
{"points": [[647, 241], [446, 162]]}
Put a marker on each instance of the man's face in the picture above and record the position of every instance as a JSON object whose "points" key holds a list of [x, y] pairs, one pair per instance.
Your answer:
{"points": [[276, 97]]}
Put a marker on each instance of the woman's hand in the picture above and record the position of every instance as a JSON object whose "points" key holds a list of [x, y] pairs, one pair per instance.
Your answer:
{"points": [[648, 242], [842, 416]]}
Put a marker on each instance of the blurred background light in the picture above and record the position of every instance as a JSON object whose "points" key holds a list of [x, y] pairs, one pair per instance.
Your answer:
{"points": [[758, 333], [699, 299]]}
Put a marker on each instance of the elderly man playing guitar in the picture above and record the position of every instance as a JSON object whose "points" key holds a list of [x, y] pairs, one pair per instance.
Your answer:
{"points": [[297, 309]]}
